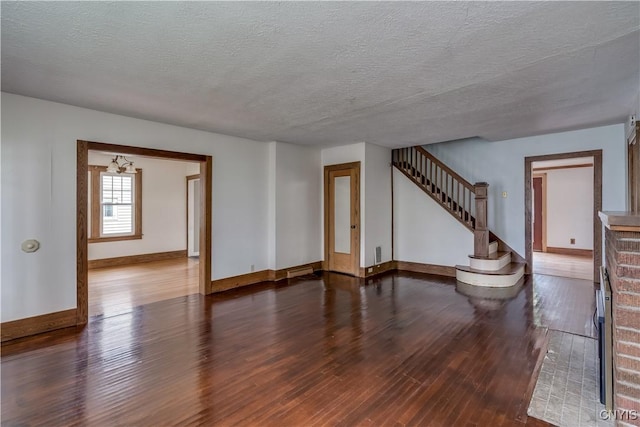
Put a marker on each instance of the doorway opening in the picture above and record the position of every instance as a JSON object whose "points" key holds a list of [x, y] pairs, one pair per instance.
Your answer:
{"points": [[342, 218], [134, 235], [563, 195]]}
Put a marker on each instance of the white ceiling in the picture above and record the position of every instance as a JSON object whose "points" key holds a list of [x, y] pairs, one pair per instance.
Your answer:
{"points": [[390, 73]]}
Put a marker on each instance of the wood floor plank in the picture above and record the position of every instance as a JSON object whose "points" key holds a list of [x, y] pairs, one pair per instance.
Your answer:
{"points": [[573, 266], [400, 349]]}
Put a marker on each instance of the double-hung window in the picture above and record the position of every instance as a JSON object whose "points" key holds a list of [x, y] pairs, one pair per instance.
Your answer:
{"points": [[115, 205]]}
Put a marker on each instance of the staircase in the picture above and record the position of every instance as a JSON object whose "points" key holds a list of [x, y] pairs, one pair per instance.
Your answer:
{"points": [[493, 263]]}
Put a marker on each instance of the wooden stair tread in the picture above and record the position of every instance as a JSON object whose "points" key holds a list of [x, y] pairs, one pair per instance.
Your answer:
{"points": [[494, 255], [512, 268]]}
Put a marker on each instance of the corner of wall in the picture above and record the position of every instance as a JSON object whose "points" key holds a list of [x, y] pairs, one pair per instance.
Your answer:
{"points": [[271, 205]]}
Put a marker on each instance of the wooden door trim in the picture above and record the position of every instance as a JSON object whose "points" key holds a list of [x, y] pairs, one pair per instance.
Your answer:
{"points": [[327, 170], [543, 208], [597, 205], [189, 178], [82, 262]]}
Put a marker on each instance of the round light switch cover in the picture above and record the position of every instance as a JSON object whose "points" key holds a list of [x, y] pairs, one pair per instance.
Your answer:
{"points": [[30, 245]]}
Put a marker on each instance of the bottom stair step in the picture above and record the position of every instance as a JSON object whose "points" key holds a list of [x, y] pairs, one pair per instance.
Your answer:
{"points": [[507, 276]]}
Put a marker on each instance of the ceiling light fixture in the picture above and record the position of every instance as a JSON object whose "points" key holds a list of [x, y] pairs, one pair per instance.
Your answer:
{"points": [[125, 167]]}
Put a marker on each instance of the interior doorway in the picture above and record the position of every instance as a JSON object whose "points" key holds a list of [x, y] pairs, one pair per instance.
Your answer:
{"points": [[342, 217], [563, 195], [138, 252], [121, 193]]}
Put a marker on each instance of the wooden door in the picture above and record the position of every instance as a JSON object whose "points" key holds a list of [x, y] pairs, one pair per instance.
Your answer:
{"points": [[537, 225], [342, 218]]}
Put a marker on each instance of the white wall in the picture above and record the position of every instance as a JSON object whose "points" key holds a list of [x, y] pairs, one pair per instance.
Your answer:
{"points": [[501, 164], [298, 209], [164, 197], [424, 231], [378, 227], [570, 208], [39, 196]]}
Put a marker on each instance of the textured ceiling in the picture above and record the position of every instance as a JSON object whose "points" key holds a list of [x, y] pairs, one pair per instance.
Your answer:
{"points": [[393, 74]]}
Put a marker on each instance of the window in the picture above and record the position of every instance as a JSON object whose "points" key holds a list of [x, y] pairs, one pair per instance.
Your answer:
{"points": [[115, 205]]}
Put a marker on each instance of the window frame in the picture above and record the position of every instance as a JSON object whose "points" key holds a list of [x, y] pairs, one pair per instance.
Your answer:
{"points": [[95, 208]]}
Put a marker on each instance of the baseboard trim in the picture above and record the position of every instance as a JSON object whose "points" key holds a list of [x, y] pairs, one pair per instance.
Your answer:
{"points": [[248, 279], [416, 267], [378, 269], [277, 275], [38, 324], [570, 251], [136, 259], [233, 282]]}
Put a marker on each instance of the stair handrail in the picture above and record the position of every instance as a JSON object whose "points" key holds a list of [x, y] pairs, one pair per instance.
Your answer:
{"points": [[471, 209], [446, 168], [466, 202]]}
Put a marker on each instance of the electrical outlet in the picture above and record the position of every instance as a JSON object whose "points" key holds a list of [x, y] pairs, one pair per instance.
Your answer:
{"points": [[370, 270], [504, 194], [573, 241], [253, 268]]}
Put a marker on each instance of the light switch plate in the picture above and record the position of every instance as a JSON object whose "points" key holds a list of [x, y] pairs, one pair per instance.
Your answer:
{"points": [[30, 245]]}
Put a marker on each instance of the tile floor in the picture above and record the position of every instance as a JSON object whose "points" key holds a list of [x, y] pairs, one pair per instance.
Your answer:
{"points": [[566, 393]]}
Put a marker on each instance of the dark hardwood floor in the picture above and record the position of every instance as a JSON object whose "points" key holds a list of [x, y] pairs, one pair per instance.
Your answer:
{"points": [[403, 349], [565, 304]]}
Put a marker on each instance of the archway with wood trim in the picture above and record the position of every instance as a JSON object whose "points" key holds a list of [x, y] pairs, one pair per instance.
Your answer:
{"points": [[82, 187]]}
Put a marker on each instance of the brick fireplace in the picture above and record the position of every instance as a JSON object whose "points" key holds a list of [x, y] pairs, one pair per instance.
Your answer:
{"points": [[622, 259]]}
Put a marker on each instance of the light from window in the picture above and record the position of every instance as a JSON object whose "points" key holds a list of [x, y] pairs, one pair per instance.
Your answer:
{"points": [[117, 204]]}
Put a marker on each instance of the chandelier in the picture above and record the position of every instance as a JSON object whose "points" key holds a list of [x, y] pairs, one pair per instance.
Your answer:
{"points": [[116, 167]]}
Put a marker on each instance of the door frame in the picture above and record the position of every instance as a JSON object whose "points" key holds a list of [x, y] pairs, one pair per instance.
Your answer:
{"points": [[597, 205], [543, 207], [355, 268], [190, 178], [633, 169], [82, 188]]}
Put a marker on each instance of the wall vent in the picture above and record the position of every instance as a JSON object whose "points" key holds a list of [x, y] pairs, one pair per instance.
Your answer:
{"points": [[297, 272], [378, 259]]}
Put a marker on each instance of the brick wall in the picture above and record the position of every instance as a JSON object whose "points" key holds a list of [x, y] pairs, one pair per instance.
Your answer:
{"points": [[622, 250]]}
